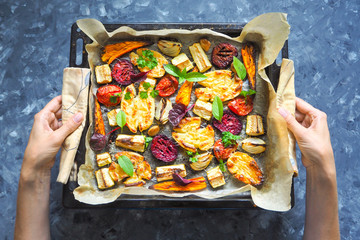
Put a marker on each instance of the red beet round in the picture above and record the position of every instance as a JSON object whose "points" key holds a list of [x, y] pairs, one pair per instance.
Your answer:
{"points": [[122, 71], [222, 54], [163, 149], [229, 123]]}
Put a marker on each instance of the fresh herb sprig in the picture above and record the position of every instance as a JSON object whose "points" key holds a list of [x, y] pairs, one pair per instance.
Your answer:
{"points": [[193, 156], [239, 68], [247, 93], [121, 119], [147, 59], [217, 108], [127, 96], [147, 141], [114, 98], [183, 75], [222, 165], [126, 164], [229, 139]]}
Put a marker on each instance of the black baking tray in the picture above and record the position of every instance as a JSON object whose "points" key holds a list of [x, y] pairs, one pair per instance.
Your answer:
{"points": [[78, 58]]}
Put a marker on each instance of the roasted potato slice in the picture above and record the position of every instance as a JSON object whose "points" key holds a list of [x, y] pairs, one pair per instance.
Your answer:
{"points": [[117, 173], [141, 167], [244, 168], [145, 108], [218, 83], [128, 106], [156, 72]]}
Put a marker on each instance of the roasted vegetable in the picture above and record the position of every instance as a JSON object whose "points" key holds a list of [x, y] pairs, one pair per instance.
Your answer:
{"points": [[117, 173], [190, 136], [145, 106], [223, 153], [103, 178], [103, 159], [203, 109], [205, 44], [169, 48], [218, 83], [128, 106], [166, 172], [156, 72], [162, 110], [163, 148], [222, 55], [253, 145], [200, 58], [182, 61], [112, 117], [241, 106], [167, 85], [177, 113], [248, 56], [229, 123], [122, 72], [134, 181], [244, 168], [153, 131], [184, 93], [215, 177], [197, 184], [141, 167], [133, 142], [99, 121], [254, 125], [109, 95], [103, 74], [203, 160], [113, 51]]}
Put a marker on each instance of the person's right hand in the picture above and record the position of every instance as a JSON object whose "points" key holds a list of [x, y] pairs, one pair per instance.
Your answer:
{"points": [[310, 129]]}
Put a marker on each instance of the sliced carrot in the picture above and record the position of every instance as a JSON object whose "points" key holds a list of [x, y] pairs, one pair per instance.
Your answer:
{"points": [[113, 51], [198, 184], [99, 121], [248, 55]]}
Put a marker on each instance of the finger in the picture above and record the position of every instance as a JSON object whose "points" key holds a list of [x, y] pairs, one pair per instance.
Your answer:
{"points": [[54, 105], [291, 122], [299, 116], [70, 126], [58, 114], [304, 107]]}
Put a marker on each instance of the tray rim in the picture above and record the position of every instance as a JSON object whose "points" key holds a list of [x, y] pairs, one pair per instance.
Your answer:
{"points": [[68, 200]]}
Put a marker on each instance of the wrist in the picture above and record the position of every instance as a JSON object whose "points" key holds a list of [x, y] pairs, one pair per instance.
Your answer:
{"points": [[30, 173]]}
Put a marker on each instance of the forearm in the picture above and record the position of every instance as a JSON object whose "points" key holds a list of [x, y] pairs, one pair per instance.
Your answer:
{"points": [[32, 215], [322, 220]]}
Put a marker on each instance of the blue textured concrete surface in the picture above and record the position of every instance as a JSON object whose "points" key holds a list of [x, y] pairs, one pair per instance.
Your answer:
{"points": [[34, 48]]}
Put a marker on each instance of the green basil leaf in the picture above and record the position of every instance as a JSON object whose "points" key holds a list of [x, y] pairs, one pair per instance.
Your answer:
{"points": [[127, 96], [154, 93], [183, 73], [172, 70], [239, 68], [195, 77], [121, 119], [126, 164], [247, 93], [251, 92], [143, 95], [181, 80], [217, 108]]}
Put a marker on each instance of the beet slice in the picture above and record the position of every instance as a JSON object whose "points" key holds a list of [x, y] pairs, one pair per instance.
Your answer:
{"points": [[122, 72], [229, 123], [163, 149], [222, 54]]}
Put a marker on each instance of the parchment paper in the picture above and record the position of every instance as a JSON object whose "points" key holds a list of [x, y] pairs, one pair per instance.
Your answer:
{"points": [[268, 32]]}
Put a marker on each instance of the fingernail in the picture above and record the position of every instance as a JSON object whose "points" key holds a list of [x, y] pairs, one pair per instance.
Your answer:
{"points": [[283, 112], [78, 117]]}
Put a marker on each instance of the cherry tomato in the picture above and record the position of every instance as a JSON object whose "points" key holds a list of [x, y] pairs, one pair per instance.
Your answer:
{"points": [[167, 85], [221, 152], [109, 95], [240, 106]]}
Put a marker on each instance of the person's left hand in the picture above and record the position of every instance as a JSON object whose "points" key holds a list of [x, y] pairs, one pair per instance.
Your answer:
{"points": [[47, 135]]}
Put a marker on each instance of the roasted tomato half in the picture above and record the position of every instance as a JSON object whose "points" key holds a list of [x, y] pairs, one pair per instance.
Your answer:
{"points": [[229, 123], [163, 148], [221, 152], [109, 95], [241, 106], [222, 54], [122, 71], [167, 85]]}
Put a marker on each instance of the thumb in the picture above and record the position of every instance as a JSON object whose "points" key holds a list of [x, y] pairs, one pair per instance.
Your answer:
{"points": [[291, 122], [70, 126]]}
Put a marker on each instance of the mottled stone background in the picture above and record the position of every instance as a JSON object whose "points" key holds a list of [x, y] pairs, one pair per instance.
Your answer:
{"points": [[34, 48]]}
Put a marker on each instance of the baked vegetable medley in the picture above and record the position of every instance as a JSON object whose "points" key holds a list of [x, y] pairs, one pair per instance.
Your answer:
{"points": [[205, 94]]}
